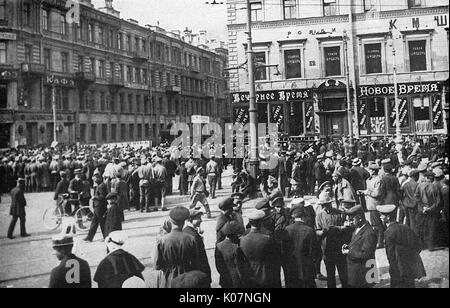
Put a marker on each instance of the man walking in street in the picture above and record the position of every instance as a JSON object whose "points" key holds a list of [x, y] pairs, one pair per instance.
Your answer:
{"points": [[17, 211], [160, 184], [212, 170], [100, 207], [198, 192]]}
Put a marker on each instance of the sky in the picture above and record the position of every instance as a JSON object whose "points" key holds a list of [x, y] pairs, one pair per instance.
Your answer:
{"points": [[175, 14]]}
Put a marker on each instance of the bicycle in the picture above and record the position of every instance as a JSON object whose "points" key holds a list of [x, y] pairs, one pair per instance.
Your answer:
{"points": [[68, 206]]}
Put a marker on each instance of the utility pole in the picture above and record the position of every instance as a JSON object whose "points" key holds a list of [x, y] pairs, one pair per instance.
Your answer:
{"points": [[54, 113], [254, 153], [347, 76]]}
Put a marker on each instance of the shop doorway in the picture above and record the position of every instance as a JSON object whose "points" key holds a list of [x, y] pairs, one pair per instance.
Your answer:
{"points": [[335, 125]]}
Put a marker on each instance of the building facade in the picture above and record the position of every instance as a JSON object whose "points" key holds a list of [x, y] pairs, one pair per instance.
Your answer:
{"points": [[333, 56], [110, 80]]}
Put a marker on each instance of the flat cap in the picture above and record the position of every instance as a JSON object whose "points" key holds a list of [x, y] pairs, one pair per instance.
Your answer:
{"points": [[226, 204], [179, 214], [386, 161], [233, 228], [62, 240], [263, 204], [112, 195], [298, 211], [195, 213], [386, 209], [256, 215]]}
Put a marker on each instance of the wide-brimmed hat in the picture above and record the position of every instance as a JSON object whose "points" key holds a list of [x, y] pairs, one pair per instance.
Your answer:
{"points": [[356, 162], [325, 184]]}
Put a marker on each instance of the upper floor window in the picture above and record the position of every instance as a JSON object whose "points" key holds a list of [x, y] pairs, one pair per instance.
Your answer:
{"points": [[64, 62], [101, 34], [46, 21], [111, 38], [414, 3], [48, 59], [101, 69], [129, 43], [62, 24], [293, 63], [80, 63], [417, 55], [26, 14], [28, 53], [260, 59], [91, 32], [2, 9], [289, 9], [2, 52], [330, 7], [332, 61], [129, 74], [372, 54], [120, 41], [369, 5], [256, 10], [136, 44]]}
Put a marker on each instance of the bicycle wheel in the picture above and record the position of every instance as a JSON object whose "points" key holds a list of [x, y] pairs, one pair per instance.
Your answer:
{"points": [[83, 219], [52, 218]]}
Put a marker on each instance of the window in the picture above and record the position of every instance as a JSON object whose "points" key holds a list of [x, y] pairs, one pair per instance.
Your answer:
{"points": [[65, 98], [147, 131], [102, 101], [101, 69], [26, 14], [78, 31], [2, 9], [332, 61], [403, 111], [161, 79], [62, 24], [112, 103], [422, 114], [129, 74], [138, 104], [83, 133], [414, 3], [111, 39], [330, 8], [91, 32], [137, 75], [113, 132], [112, 67], [372, 53], [168, 79], [256, 11], [260, 59], [46, 21], [293, 63], [139, 131], [2, 52], [104, 132], [160, 107], [130, 103], [28, 53], [80, 63], [121, 75], [417, 55], [120, 41], [177, 81], [92, 66], [64, 62], [128, 43], [93, 132], [123, 130], [47, 59], [122, 103], [144, 76], [136, 44], [289, 9], [101, 34], [369, 5], [131, 131]]}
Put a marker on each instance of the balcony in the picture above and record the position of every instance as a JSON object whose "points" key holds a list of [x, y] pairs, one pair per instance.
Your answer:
{"points": [[33, 68], [140, 56], [85, 76], [173, 89], [115, 84]]}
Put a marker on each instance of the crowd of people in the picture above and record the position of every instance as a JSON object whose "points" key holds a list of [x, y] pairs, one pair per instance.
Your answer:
{"points": [[370, 195]]}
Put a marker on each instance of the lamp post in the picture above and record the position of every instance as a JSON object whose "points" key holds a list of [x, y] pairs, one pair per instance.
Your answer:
{"points": [[54, 114], [347, 76], [398, 133]]}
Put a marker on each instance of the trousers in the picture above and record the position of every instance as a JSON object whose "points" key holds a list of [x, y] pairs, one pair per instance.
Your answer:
{"points": [[12, 225], [98, 220], [331, 264], [212, 181]]}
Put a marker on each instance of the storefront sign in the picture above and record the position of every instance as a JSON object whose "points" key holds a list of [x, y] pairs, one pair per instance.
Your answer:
{"points": [[8, 36], [240, 115], [403, 112], [403, 89], [309, 117], [9, 74], [277, 116], [362, 115], [438, 119], [59, 81], [198, 119], [273, 96]]}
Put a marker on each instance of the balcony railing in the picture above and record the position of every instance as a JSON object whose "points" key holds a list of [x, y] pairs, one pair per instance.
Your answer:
{"points": [[140, 55]]}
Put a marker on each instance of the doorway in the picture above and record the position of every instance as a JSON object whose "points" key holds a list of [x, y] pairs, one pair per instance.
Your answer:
{"points": [[335, 125], [5, 131]]}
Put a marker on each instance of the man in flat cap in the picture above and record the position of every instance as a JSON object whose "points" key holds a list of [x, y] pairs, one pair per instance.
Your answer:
{"points": [[17, 210], [390, 189], [268, 221], [238, 200], [119, 265], [409, 200], [428, 205], [176, 252], [305, 250], [402, 249], [199, 193], [231, 263], [192, 227], [113, 220], [360, 251], [227, 215], [319, 171], [334, 234], [100, 208], [160, 183], [262, 253], [72, 272], [62, 187]]}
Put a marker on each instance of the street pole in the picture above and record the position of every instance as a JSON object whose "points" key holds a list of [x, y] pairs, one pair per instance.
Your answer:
{"points": [[398, 133], [347, 76], [54, 113], [254, 155]]}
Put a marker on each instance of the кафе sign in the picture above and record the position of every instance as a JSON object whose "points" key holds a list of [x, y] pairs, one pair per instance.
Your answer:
{"points": [[402, 88]]}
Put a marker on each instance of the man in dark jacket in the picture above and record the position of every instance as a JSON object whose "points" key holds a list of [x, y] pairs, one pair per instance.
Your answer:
{"points": [[17, 211], [360, 252], [192, 227], [409, 200], [305, 249], [227, 215], [358, 178], [262, 253], [100, 206], [72, 272], [402, 250], [62, 186], [233, 267]]}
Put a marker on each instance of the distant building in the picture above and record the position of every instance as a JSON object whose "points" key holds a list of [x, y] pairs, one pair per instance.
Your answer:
{"points": [[307, 94], [112, 80]]}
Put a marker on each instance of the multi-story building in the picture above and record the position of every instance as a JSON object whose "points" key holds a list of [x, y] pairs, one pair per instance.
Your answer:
{"points": [[110, 80], [314, 41]]}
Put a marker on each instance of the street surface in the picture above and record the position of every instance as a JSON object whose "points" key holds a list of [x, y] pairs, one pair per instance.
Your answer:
{"points": [[28, 262]]}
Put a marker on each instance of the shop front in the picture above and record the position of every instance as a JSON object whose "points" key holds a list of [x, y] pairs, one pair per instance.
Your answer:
{"points": [[291, 110], [8, 96], [421, 109]]}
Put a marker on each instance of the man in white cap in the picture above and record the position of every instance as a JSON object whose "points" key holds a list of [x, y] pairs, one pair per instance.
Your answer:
{"points": [[119, 265], [261, 251], [402, 250], [72, 272]]}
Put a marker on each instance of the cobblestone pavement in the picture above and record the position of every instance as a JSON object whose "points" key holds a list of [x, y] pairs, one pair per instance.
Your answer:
{"points": [[28, 262]]}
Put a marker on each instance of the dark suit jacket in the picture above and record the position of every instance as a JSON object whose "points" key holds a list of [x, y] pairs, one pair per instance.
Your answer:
{"points": [[362, 249], [72, 263], [306, 248], [264, 258], [100, 193], [204, 264], [61, 188], [18, 202]]}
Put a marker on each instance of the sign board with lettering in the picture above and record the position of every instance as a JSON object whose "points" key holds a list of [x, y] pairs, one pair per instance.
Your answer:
{"points": [[273, 96], [59, 81], [402, 89], [240, 115], [199, 119], [277, 116], [8, 36]]}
